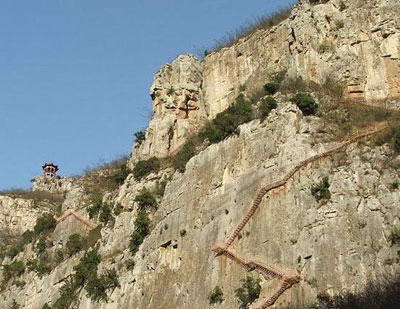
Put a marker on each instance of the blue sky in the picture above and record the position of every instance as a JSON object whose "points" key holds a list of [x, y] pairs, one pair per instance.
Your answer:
{"points": [[75, 74]]}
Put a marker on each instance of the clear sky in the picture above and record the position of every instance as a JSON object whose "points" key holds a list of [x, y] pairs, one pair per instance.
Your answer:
{"points": [[75, 74]]}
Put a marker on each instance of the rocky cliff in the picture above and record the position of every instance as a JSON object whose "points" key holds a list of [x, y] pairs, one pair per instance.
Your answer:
{"points": [[248, 204]]}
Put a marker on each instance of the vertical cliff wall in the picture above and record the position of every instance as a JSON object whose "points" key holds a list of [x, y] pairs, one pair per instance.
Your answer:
{"points": [[354, 42]]}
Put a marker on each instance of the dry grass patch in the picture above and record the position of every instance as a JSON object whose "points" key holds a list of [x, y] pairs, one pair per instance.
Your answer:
{"points": [[259, 23]]}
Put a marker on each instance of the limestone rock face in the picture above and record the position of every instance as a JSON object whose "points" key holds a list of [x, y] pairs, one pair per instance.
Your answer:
{"points": [[17, 214], [338, 244], [177, 108], [357, 44]]}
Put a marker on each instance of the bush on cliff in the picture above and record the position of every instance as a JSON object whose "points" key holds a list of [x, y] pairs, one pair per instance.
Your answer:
{"points": [[146, 199], [146, 167], [142, 229], [227, 122], [321, 190], [75, 243], [306, 103], [140, 136], [45, 224], [184, 155], [266, 106], [249, 292], [216, 296], [98, 286], [11, 271], [272, 87]]}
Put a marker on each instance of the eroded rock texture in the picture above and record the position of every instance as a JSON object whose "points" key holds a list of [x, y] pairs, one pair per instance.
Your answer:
{"points": [[356, 43], [178, 110]]}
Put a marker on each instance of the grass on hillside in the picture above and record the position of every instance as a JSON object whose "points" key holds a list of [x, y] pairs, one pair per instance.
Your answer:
{"points": [[37, 196], [259, 23]]}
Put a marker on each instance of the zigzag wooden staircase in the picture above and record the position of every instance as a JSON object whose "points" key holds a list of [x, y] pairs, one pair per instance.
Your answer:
{"points": [[287, 280]]}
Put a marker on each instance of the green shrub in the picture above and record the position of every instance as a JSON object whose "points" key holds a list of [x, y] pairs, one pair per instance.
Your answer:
{"points": [[46, 306], [321, 191], [40, 266], [395, 236], [68, 295], [306, 103], [272, 87], [266, 106], [12, 271], [13, 251], [182, 233], [216, 296], [41, 246], [27, 237], [45, 224], [58, 256], [146, 167], [118, 176], [142, 229], [87, 267], [227, 122], [146, 199], [184, 155], [249, 292], [95, 204], [140, 136], [106, 214], [75, 243], [396, 139], [395, 185], [98, 286]]}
